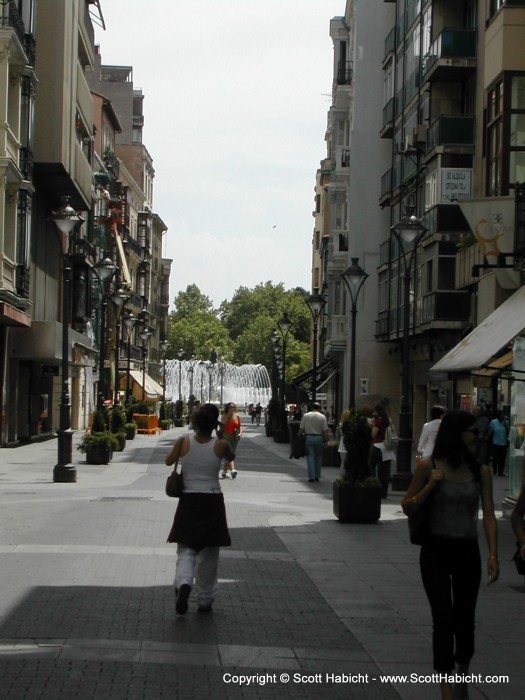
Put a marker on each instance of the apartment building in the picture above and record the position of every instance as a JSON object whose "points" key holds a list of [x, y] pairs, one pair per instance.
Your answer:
{"points": [[349, 223], [59, 335], [448, 148]]}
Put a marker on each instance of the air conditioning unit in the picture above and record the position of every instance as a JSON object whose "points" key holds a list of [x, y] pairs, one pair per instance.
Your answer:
{"points": [[401, 147]]}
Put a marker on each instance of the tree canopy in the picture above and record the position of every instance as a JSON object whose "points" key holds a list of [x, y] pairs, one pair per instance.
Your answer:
{"points": [[240, 329]]}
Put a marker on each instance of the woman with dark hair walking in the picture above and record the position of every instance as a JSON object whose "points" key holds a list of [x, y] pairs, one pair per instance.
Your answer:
{"points": [[450, 558], [200, 526]]}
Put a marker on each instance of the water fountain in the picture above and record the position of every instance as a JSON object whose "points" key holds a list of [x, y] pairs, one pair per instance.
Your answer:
{"points": [[217, 382]]}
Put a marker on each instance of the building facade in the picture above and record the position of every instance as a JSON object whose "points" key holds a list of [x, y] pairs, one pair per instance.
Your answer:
{"points": [[59, 157]]}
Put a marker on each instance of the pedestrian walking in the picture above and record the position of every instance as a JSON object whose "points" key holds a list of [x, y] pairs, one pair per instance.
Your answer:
{"points": [[483, 426], [315, 427], [230, 430], [199, 527], [499, 435], [450, 485], [429, 432], [380, 422]]}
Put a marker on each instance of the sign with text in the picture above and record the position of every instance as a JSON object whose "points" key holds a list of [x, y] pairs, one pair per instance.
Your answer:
{"points": [[456, 184]]}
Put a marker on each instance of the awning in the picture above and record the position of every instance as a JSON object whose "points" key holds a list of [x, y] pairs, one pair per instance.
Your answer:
{"points": [[496, 366], [487, 339], [152, 390], [322, 373]]}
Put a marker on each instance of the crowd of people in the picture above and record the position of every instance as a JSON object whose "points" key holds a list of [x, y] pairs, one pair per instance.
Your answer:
{"points": [[451, 482]]}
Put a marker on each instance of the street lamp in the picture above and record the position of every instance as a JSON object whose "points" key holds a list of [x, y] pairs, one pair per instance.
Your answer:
{"points": [[222, 371], [65, 219], [118, 299], [354, 277], [104, 270], [145, 336], [408, 232], [315, 303], [211, 365], [129, 323], [284, 326], [180, 355], [274, 340], [164, 346]]}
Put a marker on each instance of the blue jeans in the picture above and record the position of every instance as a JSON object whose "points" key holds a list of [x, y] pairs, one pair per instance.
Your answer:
{"points": [[314, 455]]}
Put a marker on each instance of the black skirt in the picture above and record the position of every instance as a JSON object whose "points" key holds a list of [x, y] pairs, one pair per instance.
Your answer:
{"points": [[200, 521]]}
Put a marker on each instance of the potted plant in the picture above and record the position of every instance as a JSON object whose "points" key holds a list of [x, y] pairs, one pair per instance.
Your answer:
{"points": [[117, 422], [357, 494], [98, 447], [280, 432], [272, 417], [164, 419], [179, 410], [131, 430]]}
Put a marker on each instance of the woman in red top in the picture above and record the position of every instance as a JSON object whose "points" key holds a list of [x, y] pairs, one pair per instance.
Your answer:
{"points": [[231, 431]]}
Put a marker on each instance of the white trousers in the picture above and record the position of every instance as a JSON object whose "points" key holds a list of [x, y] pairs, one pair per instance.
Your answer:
{"points": [[199, 567]]}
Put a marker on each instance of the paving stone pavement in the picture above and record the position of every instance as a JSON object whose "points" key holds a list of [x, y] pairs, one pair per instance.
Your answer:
{"points": [[309, 607]]}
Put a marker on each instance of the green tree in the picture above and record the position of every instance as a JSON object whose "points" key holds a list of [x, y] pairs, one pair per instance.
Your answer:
{"points": [[190, 302], [198, 334]]}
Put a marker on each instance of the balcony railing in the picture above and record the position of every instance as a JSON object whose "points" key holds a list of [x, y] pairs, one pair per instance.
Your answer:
{"points": [[11, 18], [444, 306], [451, 131], [390, 42], [345, 71], [388, 119], [457, 46]]}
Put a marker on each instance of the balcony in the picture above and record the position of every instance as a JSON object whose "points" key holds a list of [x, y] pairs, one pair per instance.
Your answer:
{"points": [[387, 130], [452, 56], [345, 71], [386, 188], [390, 44], [454, 131], [445, 307]]}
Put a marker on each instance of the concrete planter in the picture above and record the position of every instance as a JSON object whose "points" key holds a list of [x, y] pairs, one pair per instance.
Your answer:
{"points": [[356, 504]]}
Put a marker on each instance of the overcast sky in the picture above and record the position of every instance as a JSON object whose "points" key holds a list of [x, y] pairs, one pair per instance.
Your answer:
{"points": [[236, 99]]}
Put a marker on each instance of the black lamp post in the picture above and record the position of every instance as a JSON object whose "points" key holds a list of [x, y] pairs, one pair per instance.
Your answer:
{"points": [[164, 346], [145, 336], [284, 326], [180, 355], [211, 366], [129, 323], [118, 299], [104, 270], [191, 370], [274, 339], [315, 303], [222, 371], [408, 232], [65, 219], [354, 277]]}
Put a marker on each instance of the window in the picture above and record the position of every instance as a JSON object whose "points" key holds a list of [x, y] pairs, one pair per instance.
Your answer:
{"points": [[517, 129], [495, 140]]}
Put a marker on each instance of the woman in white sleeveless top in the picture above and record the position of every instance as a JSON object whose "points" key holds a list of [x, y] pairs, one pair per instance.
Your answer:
{"points": [[199, 526]]}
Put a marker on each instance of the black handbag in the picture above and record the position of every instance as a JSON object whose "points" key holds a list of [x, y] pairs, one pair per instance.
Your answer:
{"points": [[519, 561], [419, 524], [175, 484]]}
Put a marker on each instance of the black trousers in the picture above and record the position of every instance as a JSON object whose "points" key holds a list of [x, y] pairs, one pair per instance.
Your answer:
{"points": [[499, 455], [451, 573]]}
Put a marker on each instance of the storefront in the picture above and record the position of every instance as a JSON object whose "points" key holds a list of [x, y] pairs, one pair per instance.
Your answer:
{"points": [[490, 362]]}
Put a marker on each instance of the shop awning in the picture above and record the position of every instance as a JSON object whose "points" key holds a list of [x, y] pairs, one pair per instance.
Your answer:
{"points": [[487, 339], [323, 371], [152, 390], [496, 366]]}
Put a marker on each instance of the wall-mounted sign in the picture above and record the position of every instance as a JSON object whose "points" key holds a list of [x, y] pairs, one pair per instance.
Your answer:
{"points": [[456, 184]]}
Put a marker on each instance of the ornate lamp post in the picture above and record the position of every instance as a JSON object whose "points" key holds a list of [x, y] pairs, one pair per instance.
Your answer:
{"points": [[222, 370], [284, 326], [118, 299], [408, 232], [65, 219], [180, 355], [145, 336], [191, 371], [315, 303], [274, 339], [129, 323], [104, 270], [354, 277], [164, 346]]}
